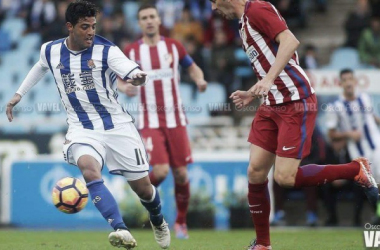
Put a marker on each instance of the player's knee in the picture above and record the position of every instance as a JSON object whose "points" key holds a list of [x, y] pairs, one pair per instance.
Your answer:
{"points": [[256, 174], [161, 171], [90, 170], [284, 180], [180, 175]]}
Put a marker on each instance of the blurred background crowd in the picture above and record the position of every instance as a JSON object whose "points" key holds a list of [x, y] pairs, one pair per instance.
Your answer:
{"points": [[334, 34]]}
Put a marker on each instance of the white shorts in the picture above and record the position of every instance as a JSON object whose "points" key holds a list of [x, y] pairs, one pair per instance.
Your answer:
{"points": [[120, 149]]}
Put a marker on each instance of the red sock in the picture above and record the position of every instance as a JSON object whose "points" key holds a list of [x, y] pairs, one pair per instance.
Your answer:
{"points": [[315, 175], [259, 206], [155, 182], [182, 196]]}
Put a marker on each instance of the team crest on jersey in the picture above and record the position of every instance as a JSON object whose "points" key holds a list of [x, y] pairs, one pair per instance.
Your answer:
{"points": [[168, 58], [91, 64]]}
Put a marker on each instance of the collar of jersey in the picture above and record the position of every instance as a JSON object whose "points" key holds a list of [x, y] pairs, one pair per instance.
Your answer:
{"points": [[75, 53]]}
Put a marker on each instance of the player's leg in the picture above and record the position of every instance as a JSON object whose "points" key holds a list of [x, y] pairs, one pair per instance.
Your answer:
{"points": [[260, 164], [90, 162], [294, 143], [126, 155], [263, 139], [155, 145], [179, 156], [279, 195]]}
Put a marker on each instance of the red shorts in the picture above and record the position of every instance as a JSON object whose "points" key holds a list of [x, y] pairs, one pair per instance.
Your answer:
{"points": [[167, 146], [285, 129]]}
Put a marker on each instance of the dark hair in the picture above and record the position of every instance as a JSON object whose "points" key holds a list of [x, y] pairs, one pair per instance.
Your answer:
{"points": [[80, 9], [346, 71], [146, 6]]}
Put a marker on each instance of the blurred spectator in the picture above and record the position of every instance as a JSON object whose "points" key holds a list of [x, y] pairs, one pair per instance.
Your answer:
{"points": [[318, 156], [218, 23], [293, 11], [113, 29], [57, 29], [200, 10], [369, 43], [187, 26], [222, 62], [168, 10], [375, 7], [107, 7], [41, 13], [309, 59], [356, 22]]}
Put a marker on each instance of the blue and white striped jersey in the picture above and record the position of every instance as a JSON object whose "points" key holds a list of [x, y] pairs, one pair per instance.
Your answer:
{"points": [[358, 115], [87, 82]]}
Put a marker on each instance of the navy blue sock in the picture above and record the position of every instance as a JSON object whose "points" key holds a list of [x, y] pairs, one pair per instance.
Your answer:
{"points": [[106, 204], [154, 208]]}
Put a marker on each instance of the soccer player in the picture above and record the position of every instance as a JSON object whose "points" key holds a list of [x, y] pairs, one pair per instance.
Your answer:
{"points": [[85, 67], [282, 129], [351, 119], [162, 122]]}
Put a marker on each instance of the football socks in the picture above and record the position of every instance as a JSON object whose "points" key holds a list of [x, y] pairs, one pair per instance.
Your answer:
{"points": [[259, 206], [106, 204], [315, 175], [182, 196], [154, 208]]}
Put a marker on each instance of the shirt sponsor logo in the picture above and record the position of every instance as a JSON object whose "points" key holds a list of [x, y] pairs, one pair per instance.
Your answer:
{"points": [[86, 81], [160, 74], [252, 54]]}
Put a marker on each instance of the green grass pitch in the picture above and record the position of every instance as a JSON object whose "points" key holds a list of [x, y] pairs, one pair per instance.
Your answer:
{"points": [[282, 239]]}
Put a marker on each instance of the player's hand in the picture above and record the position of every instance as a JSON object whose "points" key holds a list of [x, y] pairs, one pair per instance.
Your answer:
{"points": [[241, 98], [355, 135], [261, 88], [202, 85], [138, 79], [13, 102]]}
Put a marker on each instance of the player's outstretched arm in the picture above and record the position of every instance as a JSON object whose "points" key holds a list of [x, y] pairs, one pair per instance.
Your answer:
{"points": [[13, 102], [138, 79], [197, 76]]}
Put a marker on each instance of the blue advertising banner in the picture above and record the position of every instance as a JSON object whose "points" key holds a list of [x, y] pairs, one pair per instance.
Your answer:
{"points": [[27, 202]]}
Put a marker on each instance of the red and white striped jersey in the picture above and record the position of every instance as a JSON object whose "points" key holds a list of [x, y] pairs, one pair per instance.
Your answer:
{"points": [[160, 98], [259, 26]]}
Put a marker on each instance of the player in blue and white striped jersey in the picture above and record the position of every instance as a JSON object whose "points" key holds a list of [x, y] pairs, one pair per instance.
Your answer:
{"points": [[86, 67], [351, 118]]}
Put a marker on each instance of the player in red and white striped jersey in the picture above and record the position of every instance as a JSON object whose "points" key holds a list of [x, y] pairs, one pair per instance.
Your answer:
{"points": [[282, 129], [162, 121]]}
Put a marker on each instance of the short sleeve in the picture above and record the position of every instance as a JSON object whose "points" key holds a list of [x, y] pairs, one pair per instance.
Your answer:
{"points": [[185, 59], [119, 63], [43, 61], [266, 19], [332, 118]]}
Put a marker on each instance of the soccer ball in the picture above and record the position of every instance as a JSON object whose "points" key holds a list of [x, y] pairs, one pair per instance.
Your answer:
{"points": [[70, 195]]}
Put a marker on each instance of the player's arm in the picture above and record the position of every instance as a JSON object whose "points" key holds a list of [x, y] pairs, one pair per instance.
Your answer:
{"points": [[288, 44], [33, 77], [197, 76], [185, 60], [126, 69]]}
